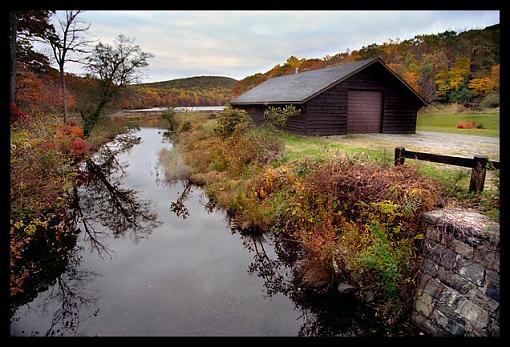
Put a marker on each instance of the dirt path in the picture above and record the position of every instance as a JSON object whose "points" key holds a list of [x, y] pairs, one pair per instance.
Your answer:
{"points": [[427, 141]]}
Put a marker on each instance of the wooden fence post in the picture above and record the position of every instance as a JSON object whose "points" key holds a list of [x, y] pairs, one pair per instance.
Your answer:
{"points": [[478, 174], [399, 155]]}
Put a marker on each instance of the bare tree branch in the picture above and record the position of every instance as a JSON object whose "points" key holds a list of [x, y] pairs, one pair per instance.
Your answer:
{"points": [[69, 40]]}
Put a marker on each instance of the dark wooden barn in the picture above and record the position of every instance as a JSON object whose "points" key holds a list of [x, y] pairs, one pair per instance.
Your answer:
{"points": [[361, 97]]}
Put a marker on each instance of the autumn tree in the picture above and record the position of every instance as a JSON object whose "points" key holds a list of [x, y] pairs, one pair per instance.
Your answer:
{"points": [[452, 83], [481, 85], [113, 67], [68, 39], [294, 62]]}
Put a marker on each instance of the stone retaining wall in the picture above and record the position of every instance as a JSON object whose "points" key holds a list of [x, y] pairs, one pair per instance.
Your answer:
{"points": [[458, 286]]}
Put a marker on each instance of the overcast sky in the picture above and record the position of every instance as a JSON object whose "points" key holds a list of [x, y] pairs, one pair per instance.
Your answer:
{"points": [[240, 43]]}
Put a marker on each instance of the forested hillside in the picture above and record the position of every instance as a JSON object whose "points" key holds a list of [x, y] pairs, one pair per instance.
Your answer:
{"points": [[445, 67], [192, 91]]}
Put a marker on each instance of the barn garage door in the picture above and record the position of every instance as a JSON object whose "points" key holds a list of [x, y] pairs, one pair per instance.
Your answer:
{"points": [[364, 112]]}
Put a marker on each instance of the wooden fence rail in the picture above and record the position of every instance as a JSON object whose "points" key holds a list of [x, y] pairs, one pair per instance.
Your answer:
{"points": [[479, 164]]}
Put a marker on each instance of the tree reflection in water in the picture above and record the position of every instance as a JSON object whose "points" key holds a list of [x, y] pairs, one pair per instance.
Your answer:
{"points": [[178, 206], [70, 297], [99, 202], [66, 286], [107, 203], [322, 314], [175, 171]]}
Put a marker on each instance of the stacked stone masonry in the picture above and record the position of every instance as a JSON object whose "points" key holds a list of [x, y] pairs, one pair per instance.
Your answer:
{"points": [[457, 291]]}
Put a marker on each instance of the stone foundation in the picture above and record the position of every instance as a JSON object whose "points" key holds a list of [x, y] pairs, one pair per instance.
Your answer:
{"points": [[457, 291]]}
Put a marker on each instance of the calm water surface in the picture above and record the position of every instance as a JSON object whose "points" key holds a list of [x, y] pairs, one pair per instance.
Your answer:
{"points": [[180, 109], [154, 257]]}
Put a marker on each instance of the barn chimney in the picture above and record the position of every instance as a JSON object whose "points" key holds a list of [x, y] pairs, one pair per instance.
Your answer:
{"points": [[297, 70]]}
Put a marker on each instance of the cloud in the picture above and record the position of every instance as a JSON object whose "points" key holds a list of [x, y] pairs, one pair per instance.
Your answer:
{"points": [[240, 43]]}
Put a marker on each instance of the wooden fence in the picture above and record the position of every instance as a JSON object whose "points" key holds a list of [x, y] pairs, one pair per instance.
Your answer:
{"points": [[479, 164]]}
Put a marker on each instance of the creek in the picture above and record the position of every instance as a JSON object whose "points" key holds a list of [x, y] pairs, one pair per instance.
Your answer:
{"points": [[154, 256]]}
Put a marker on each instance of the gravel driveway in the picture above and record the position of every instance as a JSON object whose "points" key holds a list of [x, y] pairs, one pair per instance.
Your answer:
{"points": [[427, 141]]}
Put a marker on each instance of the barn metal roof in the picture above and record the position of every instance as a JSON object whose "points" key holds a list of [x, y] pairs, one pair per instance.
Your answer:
{"points": [[300, 87]]}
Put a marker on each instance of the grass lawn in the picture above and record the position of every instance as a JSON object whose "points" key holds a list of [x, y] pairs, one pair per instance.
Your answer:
{"points": [[317, 147], [446, 121]]}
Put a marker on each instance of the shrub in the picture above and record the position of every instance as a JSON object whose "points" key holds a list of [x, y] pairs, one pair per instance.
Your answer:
{"points": [[80, 148], [40, 175], [381, 258], [361, 217], [76, 131], [263, 146], [249, 212], [490, 101], [184, 126], [169, 115], [230, 119], [278, 116]]}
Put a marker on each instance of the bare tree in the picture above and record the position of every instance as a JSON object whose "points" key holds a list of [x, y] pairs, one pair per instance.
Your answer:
{"points": [[68, 39], [114, 67]]}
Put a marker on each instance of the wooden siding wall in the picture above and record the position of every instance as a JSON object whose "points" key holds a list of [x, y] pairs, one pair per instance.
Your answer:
{"points": [[326, 114], [295, 125]]}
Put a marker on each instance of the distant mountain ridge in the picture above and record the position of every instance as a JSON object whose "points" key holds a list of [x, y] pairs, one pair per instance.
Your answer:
{"points": [[190, 91], [203, 82]]}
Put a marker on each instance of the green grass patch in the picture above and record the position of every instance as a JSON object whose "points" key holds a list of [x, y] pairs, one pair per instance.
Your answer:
{"points": [[453, 178], [298, 147], [447, 122]]}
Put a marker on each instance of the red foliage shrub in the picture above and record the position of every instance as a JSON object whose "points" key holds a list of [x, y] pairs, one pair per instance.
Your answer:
{"points": [[68, 140], [16, 113], [466, 125], [76, 131], [48, 146], [80, 148], [69, 130]]}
